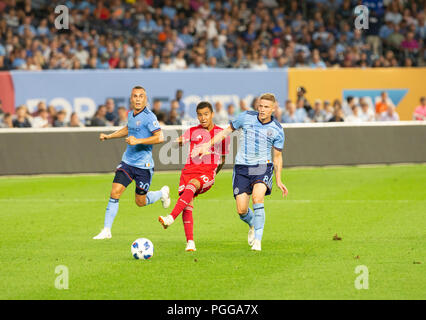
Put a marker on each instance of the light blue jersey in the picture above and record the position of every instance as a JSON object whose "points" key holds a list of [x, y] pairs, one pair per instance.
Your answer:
{"points": [[257, 138], [143, 125]]}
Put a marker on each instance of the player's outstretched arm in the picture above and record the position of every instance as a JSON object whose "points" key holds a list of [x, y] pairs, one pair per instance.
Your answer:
{"points": [[204, 149], [156, 138], [278, 166], [180, 141], [117, 134]]}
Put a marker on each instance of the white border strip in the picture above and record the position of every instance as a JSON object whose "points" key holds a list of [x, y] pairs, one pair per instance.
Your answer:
{"points": [[285, 125]]}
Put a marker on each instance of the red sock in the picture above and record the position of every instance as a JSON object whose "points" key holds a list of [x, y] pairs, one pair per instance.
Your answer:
{"points": [[188, 223], [184, 200]]}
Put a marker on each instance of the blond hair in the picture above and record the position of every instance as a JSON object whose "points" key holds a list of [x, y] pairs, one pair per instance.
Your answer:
{"points": [[268, 96]]}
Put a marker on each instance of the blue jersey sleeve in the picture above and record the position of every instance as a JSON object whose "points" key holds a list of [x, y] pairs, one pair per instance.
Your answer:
{"points": [[153, 124], [279, 140], [239, 121]]}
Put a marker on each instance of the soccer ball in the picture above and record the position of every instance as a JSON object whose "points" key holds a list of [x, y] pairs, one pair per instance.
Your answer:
{"points": [[142, 249]]}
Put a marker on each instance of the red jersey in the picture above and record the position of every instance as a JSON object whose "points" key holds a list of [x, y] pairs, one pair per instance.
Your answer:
{"points": [[198, 135]]}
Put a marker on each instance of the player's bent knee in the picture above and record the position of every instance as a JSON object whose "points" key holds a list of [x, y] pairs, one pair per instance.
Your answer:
{"points": [[117, 190], [115, 194], [195, 182], [242, 209], [258, 198], [140, 202]]}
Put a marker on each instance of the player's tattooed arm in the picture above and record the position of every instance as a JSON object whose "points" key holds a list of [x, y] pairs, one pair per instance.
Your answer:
{"points": [[278, 166], [156, 138], [117, 134]]}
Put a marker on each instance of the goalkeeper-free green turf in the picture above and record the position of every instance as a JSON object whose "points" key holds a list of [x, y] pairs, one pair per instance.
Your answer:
{"points": [[379, 212]]}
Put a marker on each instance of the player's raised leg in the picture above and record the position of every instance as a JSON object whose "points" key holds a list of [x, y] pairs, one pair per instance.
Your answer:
{"points": [[259, 190], [184, 200], [144, 197], [153, 196], [111, 210]]}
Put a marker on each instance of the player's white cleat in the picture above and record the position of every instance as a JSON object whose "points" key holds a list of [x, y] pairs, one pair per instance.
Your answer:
{"points": [[250, 237], [256, 245], [165, 197], [190, 246], [104, 234], [166, 221]]}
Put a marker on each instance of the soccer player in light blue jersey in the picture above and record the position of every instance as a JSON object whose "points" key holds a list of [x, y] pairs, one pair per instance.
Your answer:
{"points": [[254, 163], [142, 131]]}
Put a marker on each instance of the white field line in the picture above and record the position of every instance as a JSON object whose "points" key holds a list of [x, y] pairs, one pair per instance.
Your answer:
{"points": [[296, 168]]}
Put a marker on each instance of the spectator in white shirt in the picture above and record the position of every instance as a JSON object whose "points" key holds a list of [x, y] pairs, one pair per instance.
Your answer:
{"points": [[278, 113], [317, 114], [75, 121], [82, 55], [354, 117], [258, 64], [347, 107], [389, 115], [179, 61], [122, 117], [366, 114], [290, 115], [301, 114], [328, 111], [220, 115], [393, 15], [243, 106], [167, 64], [42, 120], [231, 112]]}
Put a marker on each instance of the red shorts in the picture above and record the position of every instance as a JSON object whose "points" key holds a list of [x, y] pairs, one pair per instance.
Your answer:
{"points": [[206, 181]]}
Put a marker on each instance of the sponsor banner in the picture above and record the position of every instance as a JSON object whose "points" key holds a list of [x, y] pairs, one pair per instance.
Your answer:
{"points": [[7, 96], [404, 86], [82, 91]]}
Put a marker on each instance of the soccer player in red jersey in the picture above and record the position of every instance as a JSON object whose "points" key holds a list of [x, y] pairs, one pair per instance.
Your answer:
{"points": [[198, 174]]}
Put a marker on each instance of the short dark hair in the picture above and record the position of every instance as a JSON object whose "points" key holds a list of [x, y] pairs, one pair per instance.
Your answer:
{"points": [[161, 116], [138, 87], [204, 104], [301, 89]]}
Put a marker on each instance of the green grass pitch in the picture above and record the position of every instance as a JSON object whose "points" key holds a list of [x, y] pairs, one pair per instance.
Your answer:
{"points": [[379, 212]]}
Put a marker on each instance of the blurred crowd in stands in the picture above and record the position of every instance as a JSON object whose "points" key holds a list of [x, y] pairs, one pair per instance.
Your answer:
{"points": [[298, 111], [180, 34]]}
